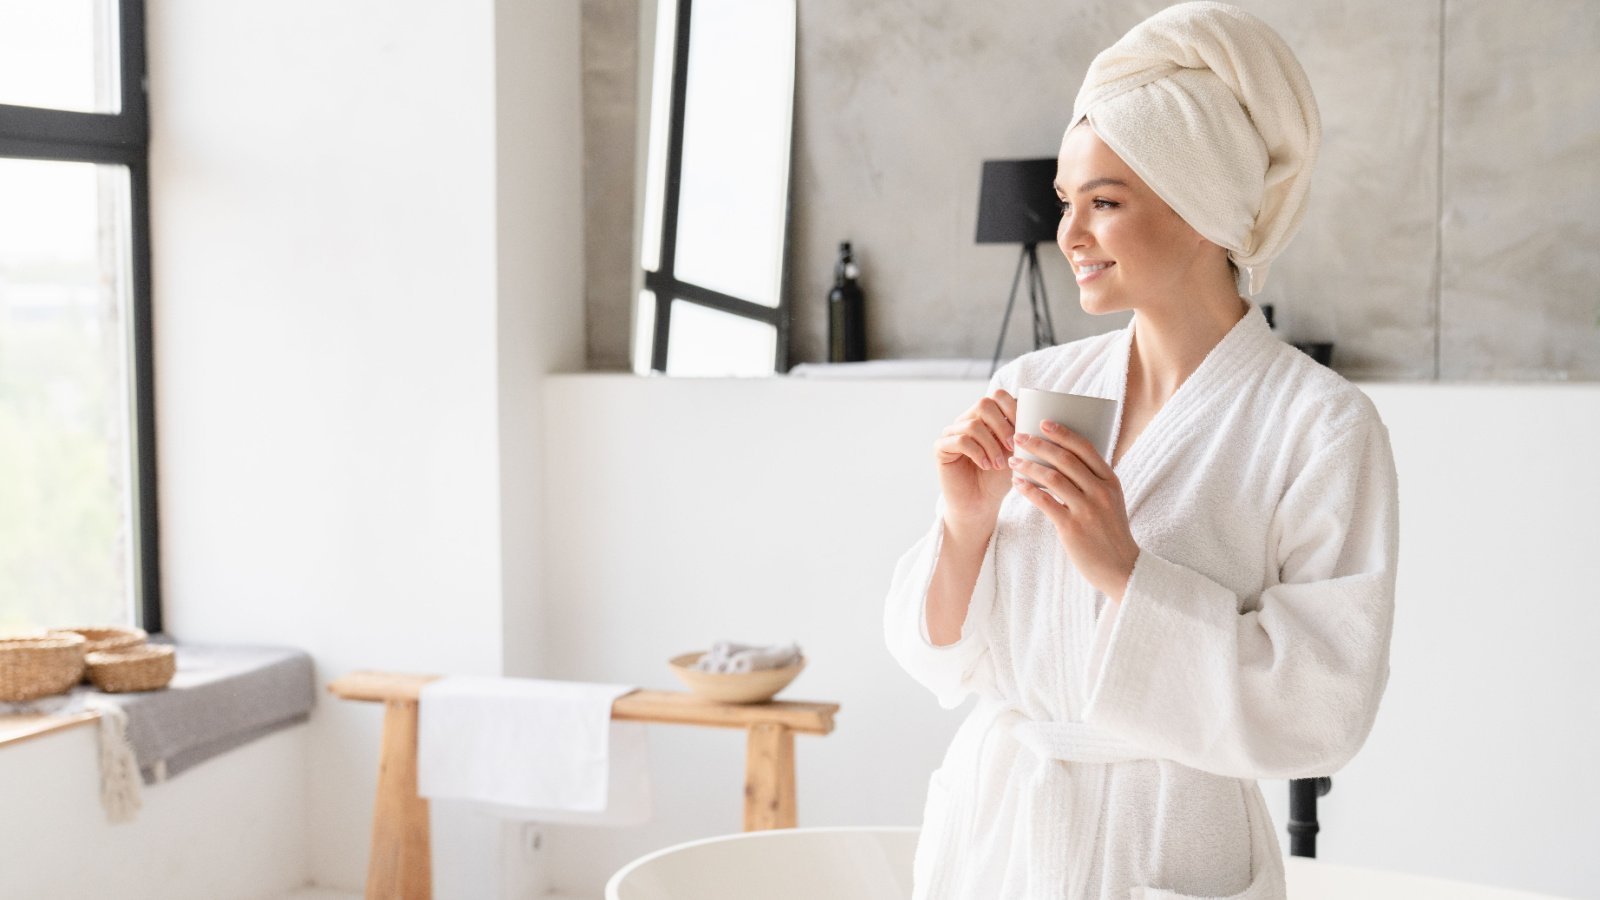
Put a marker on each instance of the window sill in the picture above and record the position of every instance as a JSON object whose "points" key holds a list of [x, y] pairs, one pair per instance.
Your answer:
{"points": [[220, 698], [14, 729]]}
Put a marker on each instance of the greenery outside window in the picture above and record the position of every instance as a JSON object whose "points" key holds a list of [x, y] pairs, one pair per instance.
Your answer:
{"points": [[77, 458]]}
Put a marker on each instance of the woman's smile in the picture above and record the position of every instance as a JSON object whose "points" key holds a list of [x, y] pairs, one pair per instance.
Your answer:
{"points": [[1090, 270]]}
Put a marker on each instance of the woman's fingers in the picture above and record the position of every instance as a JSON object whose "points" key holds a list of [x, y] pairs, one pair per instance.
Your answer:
{"points": [[1061, 489], [992, 413], [1042, 501], [1008, 406], [1056, 459], [1081, 447], [1070, 453], [1008, 401], [975, 444], [984, 434]]}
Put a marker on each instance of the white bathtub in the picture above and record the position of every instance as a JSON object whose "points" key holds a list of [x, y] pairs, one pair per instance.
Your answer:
{"points": [[875, 864], [784, 864]]}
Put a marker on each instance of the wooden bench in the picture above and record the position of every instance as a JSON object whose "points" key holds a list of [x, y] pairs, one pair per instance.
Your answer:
{"points": [[400, 865]]}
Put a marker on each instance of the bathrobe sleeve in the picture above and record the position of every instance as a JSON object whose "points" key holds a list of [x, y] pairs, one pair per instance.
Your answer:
{"points": [[1288, 687], [951, 671]]}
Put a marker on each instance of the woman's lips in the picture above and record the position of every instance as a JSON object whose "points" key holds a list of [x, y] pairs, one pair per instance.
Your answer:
{"points": [[1091, 271]]}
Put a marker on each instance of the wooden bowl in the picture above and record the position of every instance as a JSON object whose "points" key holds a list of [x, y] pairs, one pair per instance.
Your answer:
{"points": [[758, 686]]}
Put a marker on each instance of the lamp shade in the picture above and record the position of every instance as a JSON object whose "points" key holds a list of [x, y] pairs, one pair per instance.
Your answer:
{"points": [[1017, 203]]}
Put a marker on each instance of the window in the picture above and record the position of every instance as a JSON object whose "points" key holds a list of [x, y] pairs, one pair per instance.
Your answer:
{"points": [[77, 458], [717, 190]]}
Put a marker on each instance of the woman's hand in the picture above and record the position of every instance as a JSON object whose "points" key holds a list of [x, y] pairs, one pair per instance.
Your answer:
{"points": [[973, 456], [1082, 497]]}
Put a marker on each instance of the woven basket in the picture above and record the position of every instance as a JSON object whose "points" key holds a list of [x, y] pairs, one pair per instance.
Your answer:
{"points": [[103, 638], [38, 666], [145, 668]]}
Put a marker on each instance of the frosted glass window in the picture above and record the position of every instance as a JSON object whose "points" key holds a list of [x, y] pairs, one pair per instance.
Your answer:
{"points": [[712, 343], [734, 187], [59, 54], [67, 544]]}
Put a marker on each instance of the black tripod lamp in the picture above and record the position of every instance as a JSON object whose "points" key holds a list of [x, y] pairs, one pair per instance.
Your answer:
{"points": [[1017, 205]]}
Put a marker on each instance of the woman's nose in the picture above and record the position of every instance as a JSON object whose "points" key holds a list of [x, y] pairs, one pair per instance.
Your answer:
{"points": [[1071, 232]]}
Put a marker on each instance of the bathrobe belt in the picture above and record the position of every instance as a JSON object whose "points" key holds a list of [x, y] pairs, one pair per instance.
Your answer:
{"points": [[1071, 741], [1068, 873]]}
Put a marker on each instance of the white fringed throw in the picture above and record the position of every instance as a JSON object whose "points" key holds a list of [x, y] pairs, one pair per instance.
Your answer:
{"points": [[119, 772]]}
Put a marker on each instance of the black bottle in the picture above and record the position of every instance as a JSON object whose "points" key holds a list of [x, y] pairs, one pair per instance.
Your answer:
{"points": [[847, 323], [1320, 351]]}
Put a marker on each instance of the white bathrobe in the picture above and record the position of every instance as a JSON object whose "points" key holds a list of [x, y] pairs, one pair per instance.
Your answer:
{"points": [[1113, 749]]}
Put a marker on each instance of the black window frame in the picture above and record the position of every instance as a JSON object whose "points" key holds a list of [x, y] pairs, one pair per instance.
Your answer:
{"points": [[120, 138], [664, 283]]}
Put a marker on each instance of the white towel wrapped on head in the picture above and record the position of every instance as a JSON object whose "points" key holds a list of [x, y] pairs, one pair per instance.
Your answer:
{"points": [[729, 657], [1211, 108]]}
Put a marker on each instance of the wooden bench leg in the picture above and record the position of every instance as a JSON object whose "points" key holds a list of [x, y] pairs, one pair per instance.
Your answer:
{"points": [[399, 867], [769, 800]]}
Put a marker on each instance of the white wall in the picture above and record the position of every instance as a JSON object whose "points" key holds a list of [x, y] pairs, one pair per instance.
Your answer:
{"points": [[232, 827], [539, 250], [366, 219], [685, 511]]}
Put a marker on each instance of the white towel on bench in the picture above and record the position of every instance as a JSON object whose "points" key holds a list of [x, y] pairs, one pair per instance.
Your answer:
{"points": [[533, 749]]}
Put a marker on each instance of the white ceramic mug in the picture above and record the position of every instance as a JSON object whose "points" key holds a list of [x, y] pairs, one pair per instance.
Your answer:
{"points": [[1092, 417]]}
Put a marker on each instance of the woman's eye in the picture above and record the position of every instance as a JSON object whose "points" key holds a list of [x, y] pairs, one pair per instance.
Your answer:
{"points": [[1099, 203]]}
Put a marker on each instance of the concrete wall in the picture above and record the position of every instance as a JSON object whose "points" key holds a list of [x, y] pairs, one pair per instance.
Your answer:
{"points": [[1452, 211], [611, 105], [775, 510]]}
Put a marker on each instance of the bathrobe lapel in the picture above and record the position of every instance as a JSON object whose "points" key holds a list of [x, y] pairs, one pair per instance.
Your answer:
{"points": [[1199, 400], [1193, 411], [1252, 641]]}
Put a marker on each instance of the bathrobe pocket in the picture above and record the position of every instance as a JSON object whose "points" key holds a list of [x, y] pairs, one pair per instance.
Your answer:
{"points": [[1260, 889], [1266, 865]]}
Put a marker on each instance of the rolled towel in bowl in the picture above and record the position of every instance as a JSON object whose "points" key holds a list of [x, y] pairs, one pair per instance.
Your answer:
{"points": [[728, 657], [774, 657], [716, 659]]}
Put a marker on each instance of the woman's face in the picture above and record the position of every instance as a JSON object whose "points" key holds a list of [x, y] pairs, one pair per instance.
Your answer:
{"points": [[1127, 247]]}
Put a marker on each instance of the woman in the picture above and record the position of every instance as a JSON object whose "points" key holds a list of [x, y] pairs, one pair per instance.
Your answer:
{"points": [[1147, 636]]}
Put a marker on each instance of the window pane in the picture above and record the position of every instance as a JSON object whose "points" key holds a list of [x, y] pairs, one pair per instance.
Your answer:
{"points": [[59, 54], [655, 177], [709, 342], [733, 194], [644, 332], [66, 536]]}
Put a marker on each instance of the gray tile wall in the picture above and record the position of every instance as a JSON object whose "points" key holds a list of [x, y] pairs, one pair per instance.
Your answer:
{"points": [[1453, 225], [1519, 293], [610, 52]]}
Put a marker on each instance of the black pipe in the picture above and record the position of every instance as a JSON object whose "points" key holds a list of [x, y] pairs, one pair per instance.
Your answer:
{"points": [[1303, 827]]}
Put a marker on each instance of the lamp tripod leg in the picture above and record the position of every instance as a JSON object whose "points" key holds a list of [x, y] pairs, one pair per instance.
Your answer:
{"points": [[1044, 330], [1011, 301]]}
